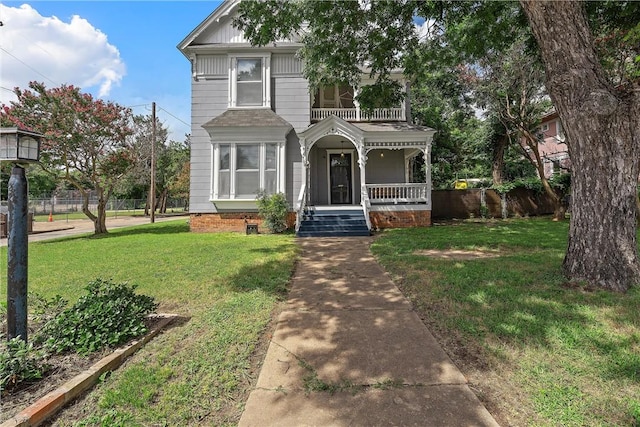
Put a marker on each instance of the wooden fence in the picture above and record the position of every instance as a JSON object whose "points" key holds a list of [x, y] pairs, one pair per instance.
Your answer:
{"points": [[461, 204]]}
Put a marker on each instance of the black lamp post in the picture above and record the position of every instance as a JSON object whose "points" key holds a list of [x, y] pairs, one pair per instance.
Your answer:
{"points": [[19, 147]]}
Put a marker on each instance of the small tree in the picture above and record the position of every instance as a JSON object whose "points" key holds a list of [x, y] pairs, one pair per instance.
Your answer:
{"points": [[273, 209]]}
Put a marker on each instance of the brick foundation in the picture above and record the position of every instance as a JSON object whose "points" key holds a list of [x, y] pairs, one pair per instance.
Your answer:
{"points": [[232, 221], [399, 219], [235, 221]]}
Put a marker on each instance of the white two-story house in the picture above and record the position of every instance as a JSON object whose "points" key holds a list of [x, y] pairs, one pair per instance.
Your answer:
{"points": [[257, 125]]}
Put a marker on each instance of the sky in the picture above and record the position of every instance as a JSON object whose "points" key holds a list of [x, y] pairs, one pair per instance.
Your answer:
{"points": [[120, 51]]}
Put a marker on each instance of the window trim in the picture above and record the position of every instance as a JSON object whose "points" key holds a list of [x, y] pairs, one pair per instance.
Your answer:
{"points": [[560, 135], [266, 79], [215, 170]]}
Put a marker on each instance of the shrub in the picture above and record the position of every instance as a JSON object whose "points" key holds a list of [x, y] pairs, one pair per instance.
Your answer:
{"points": [[19, 362], [108, 316], [273, 209]]}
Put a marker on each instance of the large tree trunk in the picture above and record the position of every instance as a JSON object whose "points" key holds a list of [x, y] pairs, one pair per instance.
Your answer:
{"points": [[162, 202], [602, 124], [100, 221], [497, 164]]}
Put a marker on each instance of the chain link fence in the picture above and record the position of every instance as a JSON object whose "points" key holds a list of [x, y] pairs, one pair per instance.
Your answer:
{"points": [[59, 205]]}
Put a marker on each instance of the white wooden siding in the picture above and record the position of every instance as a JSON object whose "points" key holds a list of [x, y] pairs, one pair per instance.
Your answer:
{"points": [[294, 168], [285, 64], [212, 66], [292, 101], [224, 33], [208, 100]]}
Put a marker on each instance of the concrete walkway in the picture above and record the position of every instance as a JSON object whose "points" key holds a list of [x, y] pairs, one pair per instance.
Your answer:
{"points": [[348, 350]]}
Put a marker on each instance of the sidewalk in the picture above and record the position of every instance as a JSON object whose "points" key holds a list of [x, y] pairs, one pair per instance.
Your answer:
{"points": [[349, 351], [61, 228]]}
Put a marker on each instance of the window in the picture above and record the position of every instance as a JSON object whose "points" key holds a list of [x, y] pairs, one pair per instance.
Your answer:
{"points": [[249, 75], [545, 127], [335, 96], [560, 130], [247, 170], [244, 168], [249, 81], [224, 172]]}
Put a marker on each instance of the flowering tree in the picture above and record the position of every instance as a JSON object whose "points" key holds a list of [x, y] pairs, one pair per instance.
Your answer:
{"points": [[85, 139]]}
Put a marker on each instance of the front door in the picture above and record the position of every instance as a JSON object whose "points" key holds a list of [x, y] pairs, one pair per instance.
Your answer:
{"points": [[340, 178]]}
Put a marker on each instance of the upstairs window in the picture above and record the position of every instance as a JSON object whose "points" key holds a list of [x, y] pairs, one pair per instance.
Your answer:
{"points": [[335, 96], [249, 81]]}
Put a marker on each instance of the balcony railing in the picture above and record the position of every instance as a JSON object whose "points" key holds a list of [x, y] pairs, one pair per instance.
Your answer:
{"points": [[397, 193], [357, 115]]}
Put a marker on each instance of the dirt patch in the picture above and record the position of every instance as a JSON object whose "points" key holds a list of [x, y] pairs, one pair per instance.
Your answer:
{"points": [[457, 254], [61, 368]]}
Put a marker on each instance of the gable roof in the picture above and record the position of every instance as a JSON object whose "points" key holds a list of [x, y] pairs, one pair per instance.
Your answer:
{"points": [[225, 9]]}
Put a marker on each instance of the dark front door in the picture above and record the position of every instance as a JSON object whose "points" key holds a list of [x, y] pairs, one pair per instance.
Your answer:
{"points": [[340, 178]]}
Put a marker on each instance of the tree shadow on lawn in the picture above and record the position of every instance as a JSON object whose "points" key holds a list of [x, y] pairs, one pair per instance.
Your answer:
{"points": [[526, 302]]}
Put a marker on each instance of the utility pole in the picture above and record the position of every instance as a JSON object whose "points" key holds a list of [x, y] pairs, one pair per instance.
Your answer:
{"points": [[152, 190]]}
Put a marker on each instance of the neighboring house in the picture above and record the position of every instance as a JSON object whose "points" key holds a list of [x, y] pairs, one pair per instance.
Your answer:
{"points": [[256, 124], [553, 148]]}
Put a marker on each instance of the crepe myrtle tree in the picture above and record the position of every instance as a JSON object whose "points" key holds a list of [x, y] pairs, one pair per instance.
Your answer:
{"points": [[601, 117], [85, 139]]}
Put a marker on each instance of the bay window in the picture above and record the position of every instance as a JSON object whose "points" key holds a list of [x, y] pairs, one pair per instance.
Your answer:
{"points": [[242, 169]]}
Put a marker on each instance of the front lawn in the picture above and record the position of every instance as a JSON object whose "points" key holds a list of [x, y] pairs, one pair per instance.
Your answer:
{"points": [[537, 350], [225, 287]]}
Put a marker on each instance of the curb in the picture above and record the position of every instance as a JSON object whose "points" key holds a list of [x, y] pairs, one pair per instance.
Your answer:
{"points": [[51, 403]]}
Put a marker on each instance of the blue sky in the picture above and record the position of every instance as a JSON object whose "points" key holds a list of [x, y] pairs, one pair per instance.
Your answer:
{"points": [[122, 51]]}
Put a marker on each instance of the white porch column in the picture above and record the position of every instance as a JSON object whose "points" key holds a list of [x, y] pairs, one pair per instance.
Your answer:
{"points": [[362, 163], [427, 162], [304, 152]]}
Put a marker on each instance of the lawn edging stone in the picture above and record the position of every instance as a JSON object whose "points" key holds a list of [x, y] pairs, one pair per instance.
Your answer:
{"points": [[52, 402]]}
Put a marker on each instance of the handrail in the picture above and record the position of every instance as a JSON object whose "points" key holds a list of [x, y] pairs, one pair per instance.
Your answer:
{"points": [[397, 193], [366, 204], [300, 205], [357, 115]]}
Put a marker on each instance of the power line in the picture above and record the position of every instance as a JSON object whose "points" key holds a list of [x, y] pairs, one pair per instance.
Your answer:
{"points": [[177, 118], [28, 66]]}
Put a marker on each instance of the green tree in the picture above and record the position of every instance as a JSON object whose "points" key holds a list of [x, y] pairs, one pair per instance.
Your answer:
{"points": [[440, 99], [511, 87], [84, 140], [171, 164], [601, 117]]}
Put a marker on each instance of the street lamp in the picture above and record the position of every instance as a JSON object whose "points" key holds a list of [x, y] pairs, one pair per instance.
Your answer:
{"points": [[19, 147]]}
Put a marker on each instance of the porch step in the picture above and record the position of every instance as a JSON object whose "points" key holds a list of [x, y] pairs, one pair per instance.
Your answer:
{"points": [[333, 223]]}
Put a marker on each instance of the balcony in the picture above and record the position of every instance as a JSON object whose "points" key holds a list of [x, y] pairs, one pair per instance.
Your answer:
{"points": [[357, 115]]}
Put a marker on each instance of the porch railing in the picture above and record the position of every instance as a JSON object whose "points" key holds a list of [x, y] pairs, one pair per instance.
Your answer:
{"points": [[397, 193], [357, 115], [366, 205], [300, 205]]}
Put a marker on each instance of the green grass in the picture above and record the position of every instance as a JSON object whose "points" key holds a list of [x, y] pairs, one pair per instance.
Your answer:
{"points": [[571, 356], [225, 288]]}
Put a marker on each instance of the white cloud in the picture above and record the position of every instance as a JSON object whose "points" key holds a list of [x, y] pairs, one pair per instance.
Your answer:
{"points": [[48, 50]]}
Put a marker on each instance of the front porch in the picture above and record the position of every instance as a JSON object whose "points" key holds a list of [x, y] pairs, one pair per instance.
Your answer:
{"points": [[370, 167]]}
